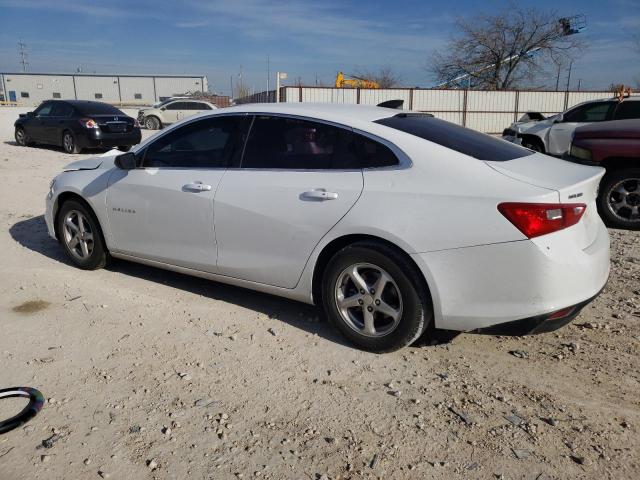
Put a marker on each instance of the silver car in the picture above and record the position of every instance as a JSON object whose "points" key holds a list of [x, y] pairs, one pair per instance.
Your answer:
{"points": [[171, 111]]}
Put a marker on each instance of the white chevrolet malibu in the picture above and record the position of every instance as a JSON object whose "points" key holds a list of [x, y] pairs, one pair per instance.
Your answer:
{"points": [[397, 223]]}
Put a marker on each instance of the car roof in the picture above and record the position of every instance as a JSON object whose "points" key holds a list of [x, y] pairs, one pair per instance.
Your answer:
{"points": [[334, 112]]}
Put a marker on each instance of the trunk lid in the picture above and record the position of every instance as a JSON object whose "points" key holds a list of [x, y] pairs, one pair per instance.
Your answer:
{"points": [[574, 184], [114, 123]]}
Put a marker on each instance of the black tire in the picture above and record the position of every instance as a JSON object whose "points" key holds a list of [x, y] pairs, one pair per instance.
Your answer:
{"points": [[69, 143], [98, 256], [414, 303], [627, 180], [152, 123], [533, 144], [124, 148], [22, 139]]}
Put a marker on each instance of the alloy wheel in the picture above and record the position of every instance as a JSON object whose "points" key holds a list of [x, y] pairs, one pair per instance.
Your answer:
{"points": [[624, 200], [67, 142], [20, 137], [368, 300], [78, 235]]}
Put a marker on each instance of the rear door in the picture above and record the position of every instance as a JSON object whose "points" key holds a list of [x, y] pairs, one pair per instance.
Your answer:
{"points": [[171, 112], [560, 133], [57, 121], [627, 110], [297, 179], [163, 211]]}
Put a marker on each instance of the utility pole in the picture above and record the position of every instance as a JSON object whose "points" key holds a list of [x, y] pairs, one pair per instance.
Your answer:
{"points": [[569, 75], [231, 78], [22, 51], [268, 74]]}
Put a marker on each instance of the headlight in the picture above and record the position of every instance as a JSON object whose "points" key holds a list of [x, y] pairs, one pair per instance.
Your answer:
{"points": [[580, 152]]}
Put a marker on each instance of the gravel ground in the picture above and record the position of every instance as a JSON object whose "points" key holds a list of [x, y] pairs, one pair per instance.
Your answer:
{"points": [[152, 374]]}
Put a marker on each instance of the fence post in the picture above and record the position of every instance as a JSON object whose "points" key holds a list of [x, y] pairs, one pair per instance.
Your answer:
{"points": [[566, 100], [515, 111], [411, 99], [464, 108], [300, 93], [358, 96]]}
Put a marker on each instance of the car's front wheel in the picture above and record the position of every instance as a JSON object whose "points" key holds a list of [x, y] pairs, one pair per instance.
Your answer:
{"points": [[619, 198], [69, 143], [21, 137], [375, 297], [80, 233], [152, 123]]}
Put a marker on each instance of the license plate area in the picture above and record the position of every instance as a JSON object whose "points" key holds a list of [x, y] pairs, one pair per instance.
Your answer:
{"points": [[117, 127]]}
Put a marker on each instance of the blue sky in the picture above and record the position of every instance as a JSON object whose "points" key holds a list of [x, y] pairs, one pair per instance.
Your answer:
{"points": [[306, 39]]}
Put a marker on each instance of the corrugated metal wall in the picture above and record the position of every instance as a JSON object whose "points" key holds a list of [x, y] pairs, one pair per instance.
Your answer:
{"points": [[486, 111], [31, 89]]}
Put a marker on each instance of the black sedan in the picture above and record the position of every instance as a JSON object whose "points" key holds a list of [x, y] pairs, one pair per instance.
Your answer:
{"points": [[77, 124]]}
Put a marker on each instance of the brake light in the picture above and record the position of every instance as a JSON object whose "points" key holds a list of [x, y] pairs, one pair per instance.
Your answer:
{"points": [[536, 219], [89, 123]]}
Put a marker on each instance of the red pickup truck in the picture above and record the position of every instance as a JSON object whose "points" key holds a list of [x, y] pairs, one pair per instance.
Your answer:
{"points": [[615, 146]]}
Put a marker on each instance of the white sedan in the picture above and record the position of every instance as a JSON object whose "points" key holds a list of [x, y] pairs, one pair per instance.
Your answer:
{"points": [[397, 223]]}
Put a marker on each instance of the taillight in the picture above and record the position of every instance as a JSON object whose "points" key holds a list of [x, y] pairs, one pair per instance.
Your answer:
{"points": [[535, 219], [89, 123]]}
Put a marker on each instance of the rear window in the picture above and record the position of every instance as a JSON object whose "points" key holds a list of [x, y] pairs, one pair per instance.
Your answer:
{"points": [[97, 108], [469, 142]]}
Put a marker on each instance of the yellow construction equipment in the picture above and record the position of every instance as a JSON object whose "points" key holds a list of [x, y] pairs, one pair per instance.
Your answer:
{"points": [[354, 82]]}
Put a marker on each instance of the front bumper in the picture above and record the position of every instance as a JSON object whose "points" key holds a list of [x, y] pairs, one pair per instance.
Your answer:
{"points": [[478, 287], [95, 138]]}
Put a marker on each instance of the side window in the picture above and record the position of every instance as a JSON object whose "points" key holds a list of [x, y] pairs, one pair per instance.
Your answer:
{"points": [[374, 154], [174, 106], [44, 110], [592, 112], [291, 143], [207, 143], [61, 110], [628, 110], [204, 106]]}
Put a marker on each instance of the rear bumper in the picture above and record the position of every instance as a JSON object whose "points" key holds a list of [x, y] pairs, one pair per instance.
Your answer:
{"points": [[538, 324], [96, 139], [580, 161], [475, 288]]}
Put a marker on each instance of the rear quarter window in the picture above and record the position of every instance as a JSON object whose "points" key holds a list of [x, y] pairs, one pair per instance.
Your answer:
{"points": [[469, 142]]}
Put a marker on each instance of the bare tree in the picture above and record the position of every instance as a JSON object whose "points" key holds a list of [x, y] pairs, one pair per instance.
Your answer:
{"points": [[500, 52], [385, 76]]}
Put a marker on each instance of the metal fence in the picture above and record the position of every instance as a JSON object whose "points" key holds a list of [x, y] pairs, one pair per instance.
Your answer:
{"points": [[483, 110]]}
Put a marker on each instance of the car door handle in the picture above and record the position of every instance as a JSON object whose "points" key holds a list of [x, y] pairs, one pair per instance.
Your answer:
{"points": [[196, 187], [318, 194]]}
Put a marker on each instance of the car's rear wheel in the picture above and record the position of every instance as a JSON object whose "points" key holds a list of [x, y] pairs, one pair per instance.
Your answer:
{"points": [[69, 143], [80, 233], [124, 148], [375, 297], [21, 137], [619, 198], [152, 123]]}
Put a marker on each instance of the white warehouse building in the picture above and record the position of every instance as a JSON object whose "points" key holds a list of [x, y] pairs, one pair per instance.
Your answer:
{"points": [[32, 88]]}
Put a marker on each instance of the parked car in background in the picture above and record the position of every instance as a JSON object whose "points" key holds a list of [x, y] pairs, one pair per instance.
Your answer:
{"points": [[76, 125], [553, 135], [171, 112], [395, 222], [616, 147]]}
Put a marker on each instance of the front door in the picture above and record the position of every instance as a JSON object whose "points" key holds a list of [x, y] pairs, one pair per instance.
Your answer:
{"points": [[163, 210], [561, 133], [297, 180]]}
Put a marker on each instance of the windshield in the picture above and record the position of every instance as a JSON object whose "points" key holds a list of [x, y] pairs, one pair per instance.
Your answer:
{"points": [[96, 108], [464, 140]]}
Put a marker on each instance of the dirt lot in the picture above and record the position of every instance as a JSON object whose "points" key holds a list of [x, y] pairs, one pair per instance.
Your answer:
{"points": [[151, 374]]}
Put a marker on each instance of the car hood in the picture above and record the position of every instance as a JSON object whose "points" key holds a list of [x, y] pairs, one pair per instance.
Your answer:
{"points": [[101, 161], [611, 129]]}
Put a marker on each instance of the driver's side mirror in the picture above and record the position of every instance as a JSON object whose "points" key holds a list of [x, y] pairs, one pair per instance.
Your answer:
{"points": [[558, 119], [163, 109], [126, 161], [29, 114]]}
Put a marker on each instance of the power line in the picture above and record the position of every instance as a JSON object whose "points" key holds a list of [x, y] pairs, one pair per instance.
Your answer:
{"points": [[22, 51]]}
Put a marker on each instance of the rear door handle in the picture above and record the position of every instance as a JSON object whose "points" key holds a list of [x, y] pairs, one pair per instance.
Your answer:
{"points": [[196, 187], [318, 194]]}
